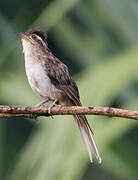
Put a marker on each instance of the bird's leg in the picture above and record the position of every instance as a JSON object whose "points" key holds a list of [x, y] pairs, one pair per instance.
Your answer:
{"points": [[43, 102], [52, 105]]}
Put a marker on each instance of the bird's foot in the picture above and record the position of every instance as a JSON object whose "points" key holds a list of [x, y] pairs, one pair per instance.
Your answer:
{"points": [[50, 107], [43, 102]]}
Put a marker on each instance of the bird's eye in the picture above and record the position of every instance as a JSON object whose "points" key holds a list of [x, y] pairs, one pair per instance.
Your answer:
{"points": [[34, 36]]}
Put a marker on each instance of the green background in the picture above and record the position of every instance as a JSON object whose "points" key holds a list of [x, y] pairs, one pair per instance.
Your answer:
{"points": [[97, 40]]}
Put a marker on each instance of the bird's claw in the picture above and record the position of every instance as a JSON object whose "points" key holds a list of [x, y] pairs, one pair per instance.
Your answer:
{"points": [[50, 107], [38, 105], [49, 112], [42, 103]]}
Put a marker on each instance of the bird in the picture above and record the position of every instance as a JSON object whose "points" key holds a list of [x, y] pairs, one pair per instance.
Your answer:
{"points": [[51, 80]]}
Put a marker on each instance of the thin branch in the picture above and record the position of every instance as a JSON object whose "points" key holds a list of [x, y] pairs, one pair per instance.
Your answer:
{"points": [[31, 112]]}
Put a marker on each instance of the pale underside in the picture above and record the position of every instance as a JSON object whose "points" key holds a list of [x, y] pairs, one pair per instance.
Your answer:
{"points": [[38, 79]]}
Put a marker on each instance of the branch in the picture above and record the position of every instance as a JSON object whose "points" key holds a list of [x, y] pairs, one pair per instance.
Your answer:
{"points": [[31, 112]]}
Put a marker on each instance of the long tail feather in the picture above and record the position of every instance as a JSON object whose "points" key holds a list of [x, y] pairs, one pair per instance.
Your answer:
{"points": [[87, 136], [85, 141]]}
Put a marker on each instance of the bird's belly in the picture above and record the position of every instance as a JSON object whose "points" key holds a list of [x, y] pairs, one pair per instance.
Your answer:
{"points": [[41, 83]]}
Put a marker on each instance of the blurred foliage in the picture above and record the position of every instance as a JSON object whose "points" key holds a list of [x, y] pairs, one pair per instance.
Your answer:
{"points": [[98, 40]]}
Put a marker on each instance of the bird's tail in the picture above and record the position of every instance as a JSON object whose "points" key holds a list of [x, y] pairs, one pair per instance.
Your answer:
{"points": [[87, 136]]}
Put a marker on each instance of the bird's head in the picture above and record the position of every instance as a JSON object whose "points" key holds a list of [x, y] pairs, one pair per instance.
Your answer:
{"points": [[35, 38]]}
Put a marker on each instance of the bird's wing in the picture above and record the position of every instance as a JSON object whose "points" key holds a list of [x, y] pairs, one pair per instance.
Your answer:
{"points": [[60, 77]]}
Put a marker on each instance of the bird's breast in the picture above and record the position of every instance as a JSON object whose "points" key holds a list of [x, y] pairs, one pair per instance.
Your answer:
{"points": [[39, 81]]}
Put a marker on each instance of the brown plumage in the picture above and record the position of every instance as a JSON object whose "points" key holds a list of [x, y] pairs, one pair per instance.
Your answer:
{"points": [[50, 78]]}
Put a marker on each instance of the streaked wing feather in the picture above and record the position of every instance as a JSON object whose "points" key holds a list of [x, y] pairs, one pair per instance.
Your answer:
{"points": [[61, 78]]}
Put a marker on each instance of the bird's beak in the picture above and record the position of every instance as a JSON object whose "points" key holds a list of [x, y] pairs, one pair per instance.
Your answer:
{"points": [[23, 36]]}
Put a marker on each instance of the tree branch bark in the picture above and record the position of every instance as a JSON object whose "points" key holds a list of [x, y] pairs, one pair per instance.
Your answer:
{"points": [[31, 112]]}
